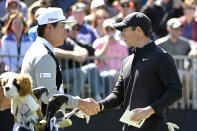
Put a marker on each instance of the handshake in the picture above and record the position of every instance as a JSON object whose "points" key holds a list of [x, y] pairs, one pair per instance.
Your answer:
{"points": [[89, 106]]}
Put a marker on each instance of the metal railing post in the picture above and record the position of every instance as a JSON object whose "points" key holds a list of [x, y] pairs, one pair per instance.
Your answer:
{"points": [[194, 67]]}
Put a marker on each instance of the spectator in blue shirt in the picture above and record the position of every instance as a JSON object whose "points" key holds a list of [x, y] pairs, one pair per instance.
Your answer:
{"points": [[15, 42], [86, 32]]}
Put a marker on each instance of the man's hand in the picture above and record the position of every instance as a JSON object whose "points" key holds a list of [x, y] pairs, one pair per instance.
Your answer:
{"points": [[141, 113], [89, 106]]}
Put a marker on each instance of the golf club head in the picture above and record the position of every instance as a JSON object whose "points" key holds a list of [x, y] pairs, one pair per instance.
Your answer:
{"points": [[64, 123], [39, 91]]}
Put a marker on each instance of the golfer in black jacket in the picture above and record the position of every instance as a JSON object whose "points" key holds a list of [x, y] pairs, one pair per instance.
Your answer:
{"points": [[148, 82]]}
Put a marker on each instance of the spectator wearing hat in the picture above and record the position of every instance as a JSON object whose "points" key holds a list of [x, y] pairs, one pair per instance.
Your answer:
{"points": [[175, 44], [148, 82], [86, 32], [11, 6], [108, 47], [40, 61], [94, 6]]}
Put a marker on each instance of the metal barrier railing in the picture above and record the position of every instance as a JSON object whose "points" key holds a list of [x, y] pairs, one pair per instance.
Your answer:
{"points": [[187, 68], [91, 90]]}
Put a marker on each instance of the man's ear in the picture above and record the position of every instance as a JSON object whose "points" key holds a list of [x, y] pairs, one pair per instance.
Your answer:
{"points": [[168, 29], [138, 29]]}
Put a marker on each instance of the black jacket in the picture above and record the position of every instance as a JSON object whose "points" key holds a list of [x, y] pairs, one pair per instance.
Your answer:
{"points": [[148, 77]]}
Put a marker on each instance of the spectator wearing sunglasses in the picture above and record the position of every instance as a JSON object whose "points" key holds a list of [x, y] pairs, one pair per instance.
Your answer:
{"points": [[107, 47], [188, 20], [127, 7], [100, 16], [11, 6]]}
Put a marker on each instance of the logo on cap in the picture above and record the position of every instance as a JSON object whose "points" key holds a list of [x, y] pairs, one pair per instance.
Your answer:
{"points": [[52, 19]]}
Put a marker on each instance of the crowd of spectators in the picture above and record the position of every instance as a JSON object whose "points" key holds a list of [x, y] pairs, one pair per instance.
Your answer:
{"points": [[91, 35]]}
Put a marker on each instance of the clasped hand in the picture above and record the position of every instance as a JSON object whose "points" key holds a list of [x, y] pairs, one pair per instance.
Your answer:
{"points": [[89, 106]]}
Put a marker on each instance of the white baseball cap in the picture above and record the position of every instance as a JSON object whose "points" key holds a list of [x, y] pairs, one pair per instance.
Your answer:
{"points": [[51, 15], [39, 11], [109, 23], [174, 23], [97, 3]]}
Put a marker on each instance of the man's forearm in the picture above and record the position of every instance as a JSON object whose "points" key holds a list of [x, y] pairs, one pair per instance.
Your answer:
{"points": [[111, 101], [63, 53], [168, 99]]}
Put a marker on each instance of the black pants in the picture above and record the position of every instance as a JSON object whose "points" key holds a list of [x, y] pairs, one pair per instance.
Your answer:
{"points": [[161, 127]]}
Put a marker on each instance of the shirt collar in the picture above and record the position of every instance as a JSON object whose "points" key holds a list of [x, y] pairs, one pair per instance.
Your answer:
{"points": [[45, 42], [138, 51], [14, 37]]}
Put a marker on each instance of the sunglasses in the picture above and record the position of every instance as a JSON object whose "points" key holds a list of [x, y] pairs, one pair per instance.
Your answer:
{"points": [[191, 7], [125, 5]]}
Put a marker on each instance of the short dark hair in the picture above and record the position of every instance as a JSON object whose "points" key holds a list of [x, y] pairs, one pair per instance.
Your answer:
{"points": [[41, 28], [133, 28], [146, 31]]}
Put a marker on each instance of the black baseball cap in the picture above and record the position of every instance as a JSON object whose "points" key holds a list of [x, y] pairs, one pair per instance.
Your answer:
{"points": [[134, 19]]}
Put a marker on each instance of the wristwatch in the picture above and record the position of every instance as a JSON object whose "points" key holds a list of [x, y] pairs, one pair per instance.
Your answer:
{"points": [[101, 106]]}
